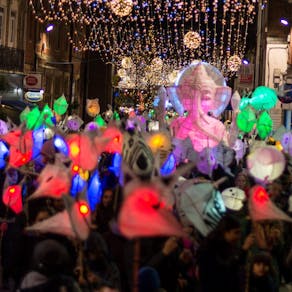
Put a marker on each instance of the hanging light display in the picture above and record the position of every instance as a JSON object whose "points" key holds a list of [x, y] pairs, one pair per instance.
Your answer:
{"points": [[175, 31]]}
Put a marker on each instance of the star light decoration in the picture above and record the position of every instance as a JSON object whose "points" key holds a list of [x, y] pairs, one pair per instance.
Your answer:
{"points": [[179, 31]]}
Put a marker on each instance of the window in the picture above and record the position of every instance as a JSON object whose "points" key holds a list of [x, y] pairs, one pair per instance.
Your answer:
{"points": [[12, 31], [2, 30]]}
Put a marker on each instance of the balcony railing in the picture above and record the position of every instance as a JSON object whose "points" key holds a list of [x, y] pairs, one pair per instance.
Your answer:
{"points": [[11, 59]]}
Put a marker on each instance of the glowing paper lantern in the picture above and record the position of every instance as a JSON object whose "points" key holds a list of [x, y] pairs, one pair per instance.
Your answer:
{"points": [[91, 127], [46, 118], [60, 105], [61, 145], [74, 222], [159, 141], [168, 166], [202, 205], [116, 116], [100, 121], [32, 117], [246, 120], [92, 107], [264, 125], [266, 163], [3, 153], [116, 164], [38, 140], [263, 98], [142, 206], [94, 191], [74, 123], [115, 138], [235, 101], [12, 198], [262, 208], [54, 181], [82, 151], [78, 184], [286, 142], [245, 101], [233, 198]]}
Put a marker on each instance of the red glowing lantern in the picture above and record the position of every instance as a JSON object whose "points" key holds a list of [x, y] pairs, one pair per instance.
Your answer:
{"points": [[115, 137], [12, 198], [262, 208], [143, 206], [82, 151]]}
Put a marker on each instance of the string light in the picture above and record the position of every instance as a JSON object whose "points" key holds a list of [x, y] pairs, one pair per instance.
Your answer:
{"points": [[234, 63], [177, 32]]}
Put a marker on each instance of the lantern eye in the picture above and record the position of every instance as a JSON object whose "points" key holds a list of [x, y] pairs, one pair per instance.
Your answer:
{"points": [[74, 149], [83, 209], [11, 190], [75, 168]]}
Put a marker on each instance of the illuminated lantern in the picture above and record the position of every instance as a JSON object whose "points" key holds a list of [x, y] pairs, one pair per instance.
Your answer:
{"points": [[32, 117], [245, 101], [38, 140], [235, 101], [23, 115], [262, 208], [142, 206], [82, 151], [246, 120], [3, 128], [54, 181], [116, 116], [159, 141], [286, 142], [74, 222], [264, 125], [46, 118], [202, 205], [115, 137], [263, 98], [61, 145], [91, 127], [92, 107], [94, 191], [100, 121], [60, 105], [168, 166], [21, 145], [116, 164], [12, 198], [74, 123], [233, 198], [3, 153], [78, 184], [266, 163]]}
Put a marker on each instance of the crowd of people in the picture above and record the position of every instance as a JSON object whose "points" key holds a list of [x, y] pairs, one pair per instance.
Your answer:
{"points": [[237, 255]]}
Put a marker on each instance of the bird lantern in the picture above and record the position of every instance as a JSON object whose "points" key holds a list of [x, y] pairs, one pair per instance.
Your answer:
{"points": [[233, 198], [262, 208], [12, 198], [100, 121], [32, 117], [82, 151]]}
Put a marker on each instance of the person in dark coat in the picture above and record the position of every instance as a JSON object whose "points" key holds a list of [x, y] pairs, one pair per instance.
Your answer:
{"points": [[220, 258]]}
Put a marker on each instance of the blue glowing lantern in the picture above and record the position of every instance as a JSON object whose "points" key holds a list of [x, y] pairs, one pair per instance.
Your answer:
{"points": [[116, 164], [61, 145], [38, 140], [3, 153], [78, 184], [168, 166], [94, 191]]}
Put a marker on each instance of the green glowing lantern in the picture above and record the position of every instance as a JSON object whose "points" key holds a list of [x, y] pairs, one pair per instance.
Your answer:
{"points": [[263, 98], [116, 116], [264, 125], [32, 117], [246, 120], [100, 121], [45, 118], [23, 114], [244, 102], [60, 105]]}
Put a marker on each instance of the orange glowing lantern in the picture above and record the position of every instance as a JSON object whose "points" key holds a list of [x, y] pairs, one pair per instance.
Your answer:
{"points": [[12, 198]]}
